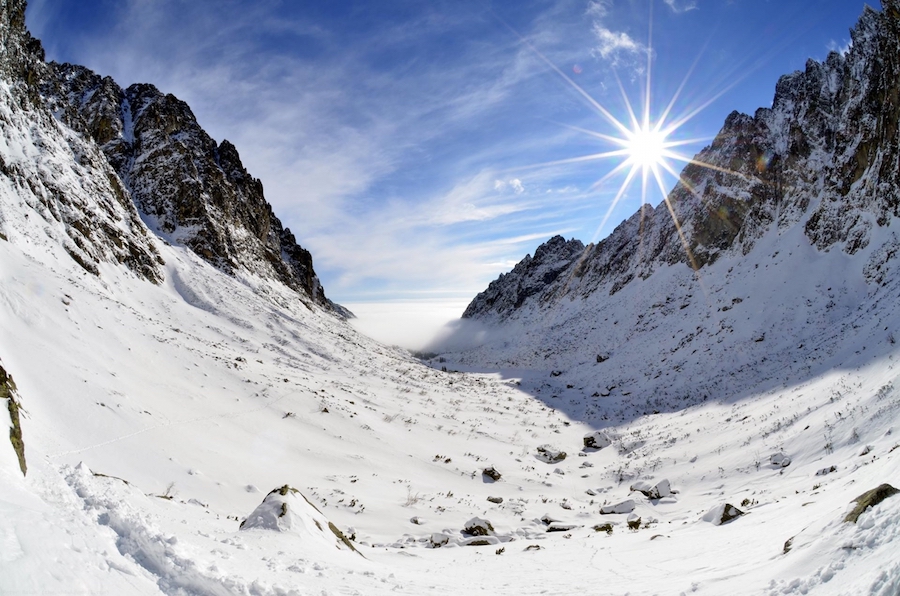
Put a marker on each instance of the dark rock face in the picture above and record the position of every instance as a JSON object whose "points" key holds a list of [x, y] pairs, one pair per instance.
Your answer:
{"points": [[8, 392], [59, 185], [824, 157], [104, 151], [194, 191], [533, 275]]}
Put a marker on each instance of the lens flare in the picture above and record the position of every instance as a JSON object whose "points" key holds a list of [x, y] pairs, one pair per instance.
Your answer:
{"points": [[643, 146], [646, 147]]}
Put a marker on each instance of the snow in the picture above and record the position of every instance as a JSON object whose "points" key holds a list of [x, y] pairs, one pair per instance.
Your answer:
{"points": [[204, 386], [158, 418]]}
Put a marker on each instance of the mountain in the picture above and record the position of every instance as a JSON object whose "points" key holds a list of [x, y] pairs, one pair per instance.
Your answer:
{"points": [[184, 421], [187, 188], [783, 228]]}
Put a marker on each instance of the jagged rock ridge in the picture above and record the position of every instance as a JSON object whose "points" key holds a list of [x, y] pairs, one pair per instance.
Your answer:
{"points": [[824, 156], [55, 185], [189, 189]]}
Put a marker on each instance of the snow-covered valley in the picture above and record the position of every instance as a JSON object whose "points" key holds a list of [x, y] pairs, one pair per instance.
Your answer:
{"points": [[157, 418], [181, 428]]}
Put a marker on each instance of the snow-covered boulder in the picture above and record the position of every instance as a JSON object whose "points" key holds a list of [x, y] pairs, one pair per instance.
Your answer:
{"points": [[286, 510], [653, 491], [596, 440], [439, 539], [626, 506], [722, 514], [634, 521], [478, 526], [550, 454], [780, 460]]}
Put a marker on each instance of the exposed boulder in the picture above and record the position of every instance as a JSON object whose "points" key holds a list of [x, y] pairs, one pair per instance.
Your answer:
{"points": [[870, 499], [626, 506], [561, 526], [634, 522], [438, 539], [478, 526], [287, 510], [722, 514], [597, 440], [549, 454], [780, 460], [653, 491], [826, 471], [490, 474]]}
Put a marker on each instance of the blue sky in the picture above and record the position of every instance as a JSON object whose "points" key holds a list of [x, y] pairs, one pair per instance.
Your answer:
{"points": [[399, 139]]}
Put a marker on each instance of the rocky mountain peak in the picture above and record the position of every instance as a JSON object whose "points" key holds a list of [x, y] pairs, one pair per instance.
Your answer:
{"points": [[823, 157], [59, 186], [19, 49], [192, 190], [531, 276]]}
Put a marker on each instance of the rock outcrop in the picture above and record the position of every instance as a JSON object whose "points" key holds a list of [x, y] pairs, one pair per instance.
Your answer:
{"points": [[87, 157], [194, 191], [55, 185], [9, 394], [287, 510]]}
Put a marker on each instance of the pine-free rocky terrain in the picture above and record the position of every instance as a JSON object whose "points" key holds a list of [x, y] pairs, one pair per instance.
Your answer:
{"points": [[189, 414]]}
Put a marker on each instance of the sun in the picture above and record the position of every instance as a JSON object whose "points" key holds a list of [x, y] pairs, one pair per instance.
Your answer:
{"points": [[642, 141], [645, 147]]}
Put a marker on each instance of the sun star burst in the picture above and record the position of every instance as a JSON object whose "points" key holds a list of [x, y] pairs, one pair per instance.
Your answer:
{"points": [[646, 147]]}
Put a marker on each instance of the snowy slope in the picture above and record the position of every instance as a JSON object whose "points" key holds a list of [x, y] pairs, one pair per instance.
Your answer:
{"points": [[159, 412], [205, 391]]}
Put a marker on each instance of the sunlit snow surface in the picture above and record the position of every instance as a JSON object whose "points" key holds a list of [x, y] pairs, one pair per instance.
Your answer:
{"points": [[213, 391]]}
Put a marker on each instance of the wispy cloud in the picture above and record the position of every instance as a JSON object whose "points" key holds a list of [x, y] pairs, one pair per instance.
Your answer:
{"points": [[325, 132], [840, 48], [613, 44], [679, 6], [386, 148]]}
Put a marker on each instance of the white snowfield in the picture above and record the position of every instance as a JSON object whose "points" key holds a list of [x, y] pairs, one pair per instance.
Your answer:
{"points": [[157, 418]]}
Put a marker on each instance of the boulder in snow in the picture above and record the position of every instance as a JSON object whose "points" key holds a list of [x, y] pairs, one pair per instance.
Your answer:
{"points": [[438, 539], [634, 521], [722, 514], [550, 454], [653, 491], [626, 506], [780, 460], [478, 526], [596, 440], [491, 474], [870, 499], [286, 510]]}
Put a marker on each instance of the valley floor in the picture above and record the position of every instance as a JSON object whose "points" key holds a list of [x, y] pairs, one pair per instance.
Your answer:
{"points": [[157, 418]]}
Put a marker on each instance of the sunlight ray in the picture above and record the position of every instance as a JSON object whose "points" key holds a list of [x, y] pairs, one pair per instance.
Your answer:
{"points": [[684, 242], [616, 200], [587, 96]]}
